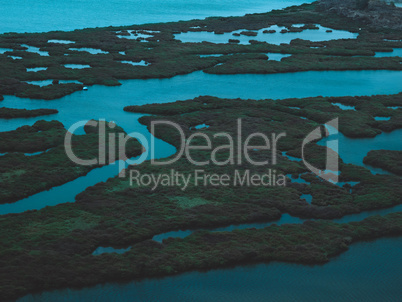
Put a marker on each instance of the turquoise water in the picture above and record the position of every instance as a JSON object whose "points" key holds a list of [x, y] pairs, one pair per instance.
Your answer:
{"points": [[344, 107], [3, 50], [307, 197], [369, 271], [93, 51], [276, 56], [212, 55], [397, 52], [353, 151], [141, 63], [108, 102], [35, 50], [201, 126], [61, 41], [47, 15], [382, 118], [102, 250], [76, 66], [36, 69], [50, 82]]}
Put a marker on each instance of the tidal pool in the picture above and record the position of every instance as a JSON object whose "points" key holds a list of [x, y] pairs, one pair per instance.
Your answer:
{"points": [[307, 197], [61, 41], [314, 35], [344, 107], [136, 35], [212, 55], [93, 51], [50, 82], [201, 126], [141, 63], [276, 56], [35, 50], [36, 69], [77, 66], [102, 250], [382, 118]]}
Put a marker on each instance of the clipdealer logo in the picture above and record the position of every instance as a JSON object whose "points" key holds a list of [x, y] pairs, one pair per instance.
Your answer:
{"points": [[238, 149]]}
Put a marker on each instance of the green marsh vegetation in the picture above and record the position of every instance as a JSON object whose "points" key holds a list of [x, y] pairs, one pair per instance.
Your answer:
{"points": [[10, 113], [385, 159], [23, 175]]}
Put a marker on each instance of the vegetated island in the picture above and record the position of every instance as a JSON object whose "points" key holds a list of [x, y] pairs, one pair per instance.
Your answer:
{"points": [[385, 159], [23, 174], [313, 242], [10, 113]]}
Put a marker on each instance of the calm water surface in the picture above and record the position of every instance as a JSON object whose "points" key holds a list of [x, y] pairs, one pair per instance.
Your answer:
{"points": [[47, 15], [369, 271], [108, 102]]}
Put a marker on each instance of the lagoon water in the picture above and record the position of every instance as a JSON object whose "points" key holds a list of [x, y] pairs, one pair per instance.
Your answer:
{"points": [[47, 15], [397, 52], [108, 102]]}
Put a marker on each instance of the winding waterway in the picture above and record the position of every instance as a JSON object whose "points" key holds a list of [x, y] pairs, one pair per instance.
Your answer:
{"points": [[101, 102]]}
